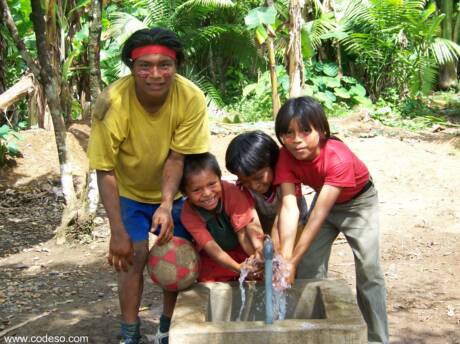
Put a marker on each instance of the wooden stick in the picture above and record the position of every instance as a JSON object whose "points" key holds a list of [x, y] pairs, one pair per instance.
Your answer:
{"points": [[44, 314]]}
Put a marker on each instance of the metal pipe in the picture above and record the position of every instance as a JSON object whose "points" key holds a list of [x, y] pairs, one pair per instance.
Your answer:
{"points": [[268, 256]]}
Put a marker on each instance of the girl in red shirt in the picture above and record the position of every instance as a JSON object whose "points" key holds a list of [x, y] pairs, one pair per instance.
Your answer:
{"points": [[346, 202], [220, 218]]}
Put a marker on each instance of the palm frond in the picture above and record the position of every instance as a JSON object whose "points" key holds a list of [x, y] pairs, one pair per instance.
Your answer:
{"points": [[320, 27], [210, 34], [424, 80], [212, 93], [210, 4], [123, 26], [160, 13], [445, 50]]}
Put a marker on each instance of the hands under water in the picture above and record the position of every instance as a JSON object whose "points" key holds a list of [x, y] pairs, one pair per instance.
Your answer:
{"points": [[283, 270], [254, 265]]}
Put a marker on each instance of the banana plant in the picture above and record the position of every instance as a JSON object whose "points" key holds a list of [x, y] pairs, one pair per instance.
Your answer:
{"points": [[263, 19]]}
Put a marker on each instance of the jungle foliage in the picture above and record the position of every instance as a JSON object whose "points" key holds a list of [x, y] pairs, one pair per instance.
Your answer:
{"points": [[354, 52]]}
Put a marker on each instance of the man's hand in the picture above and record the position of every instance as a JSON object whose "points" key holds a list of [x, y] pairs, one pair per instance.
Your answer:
{"points": [[120, 252], [163, 218]]}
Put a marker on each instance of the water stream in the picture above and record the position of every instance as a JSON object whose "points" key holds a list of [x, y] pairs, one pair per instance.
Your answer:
{"points": [[276, 275]]}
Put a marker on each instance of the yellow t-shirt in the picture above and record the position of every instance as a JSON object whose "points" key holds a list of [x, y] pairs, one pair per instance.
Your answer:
{"points": [[135, 144]]}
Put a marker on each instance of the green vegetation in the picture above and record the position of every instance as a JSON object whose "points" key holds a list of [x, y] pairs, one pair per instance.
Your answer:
{"points": [[382, 54], [8, 146]]}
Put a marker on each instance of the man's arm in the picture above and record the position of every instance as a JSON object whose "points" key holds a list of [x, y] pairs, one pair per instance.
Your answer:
{"points": [[172, 174], [120, 247]]}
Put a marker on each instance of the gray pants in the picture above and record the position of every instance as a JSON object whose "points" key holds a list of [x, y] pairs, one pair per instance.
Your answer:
{"points": [[358, 220]]}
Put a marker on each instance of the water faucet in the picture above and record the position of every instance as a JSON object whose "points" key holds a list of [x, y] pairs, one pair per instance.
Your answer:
{"points": [[268, 256]]}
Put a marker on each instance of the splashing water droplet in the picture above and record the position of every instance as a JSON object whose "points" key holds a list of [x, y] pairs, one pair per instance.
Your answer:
{"points": [[243, 274]]}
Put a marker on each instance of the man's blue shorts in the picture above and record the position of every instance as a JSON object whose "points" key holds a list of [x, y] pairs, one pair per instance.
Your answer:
{"points": [[137, 219]]}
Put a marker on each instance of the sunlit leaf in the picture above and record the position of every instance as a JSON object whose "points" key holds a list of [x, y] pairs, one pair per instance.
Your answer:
{"points": [[260, 16]]}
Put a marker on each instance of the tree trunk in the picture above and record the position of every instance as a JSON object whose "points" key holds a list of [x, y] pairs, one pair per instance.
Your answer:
{"points": [[94, 48], [272, 62], [39, 112], [294, 52], [448, 72], [74, 213], [456, 33], [95, 28], [274, 79], [49, 80], [336, 42], [9, 22], [3, 56]]}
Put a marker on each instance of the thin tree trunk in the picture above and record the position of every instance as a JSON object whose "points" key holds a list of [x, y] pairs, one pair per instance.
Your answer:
{"points": [[50, 84], [337, 43], [95, 28], [274, 79], [39, 113], [448, 72], [456, 33], [94, 48], [272, 62], [294, 52], [3, 56], [9, 22]]}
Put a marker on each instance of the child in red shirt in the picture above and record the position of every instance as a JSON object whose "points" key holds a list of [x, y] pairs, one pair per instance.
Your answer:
{"points": [[346, 202], [220, 218], [252, 157]]}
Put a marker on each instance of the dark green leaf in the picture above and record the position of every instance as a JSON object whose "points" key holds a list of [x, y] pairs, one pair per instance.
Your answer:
{"points": [[330, 69]]}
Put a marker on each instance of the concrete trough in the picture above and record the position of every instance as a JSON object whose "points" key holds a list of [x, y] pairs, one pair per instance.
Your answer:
{"points": [[317, 312]]}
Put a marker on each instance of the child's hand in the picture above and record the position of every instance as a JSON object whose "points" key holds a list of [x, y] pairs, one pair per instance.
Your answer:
{"points": [[292, 268], [258, 255], [254, 265], [283, 273]]}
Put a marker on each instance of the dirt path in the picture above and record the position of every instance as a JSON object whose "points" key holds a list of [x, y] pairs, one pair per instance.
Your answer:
{"points": [[419, 192]]}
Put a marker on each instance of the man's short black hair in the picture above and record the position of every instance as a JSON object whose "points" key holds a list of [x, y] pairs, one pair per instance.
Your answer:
{"points": [[250, 152], [156, 36], [195, 163]]}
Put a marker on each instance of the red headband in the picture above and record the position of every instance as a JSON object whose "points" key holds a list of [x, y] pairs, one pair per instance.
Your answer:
{"points": [[152, 49]]}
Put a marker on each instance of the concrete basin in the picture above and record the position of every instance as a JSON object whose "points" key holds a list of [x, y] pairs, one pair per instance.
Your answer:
{"points": [[317, 311]]}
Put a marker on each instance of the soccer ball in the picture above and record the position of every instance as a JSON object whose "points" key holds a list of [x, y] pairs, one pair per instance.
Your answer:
{"points": [[173, 266]]}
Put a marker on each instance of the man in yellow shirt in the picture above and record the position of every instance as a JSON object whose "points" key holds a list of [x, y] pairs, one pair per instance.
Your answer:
{"points": [[143, 125]]}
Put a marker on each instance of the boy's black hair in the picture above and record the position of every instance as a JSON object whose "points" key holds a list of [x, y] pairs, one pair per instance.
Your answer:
{"points": [[250, 152], [307, 112], [195, 163], [155, 36]]}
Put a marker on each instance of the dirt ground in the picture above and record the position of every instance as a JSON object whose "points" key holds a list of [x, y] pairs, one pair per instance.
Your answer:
{"points": [[69, 290]]}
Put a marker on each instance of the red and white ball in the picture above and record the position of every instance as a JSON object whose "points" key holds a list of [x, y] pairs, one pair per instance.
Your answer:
{"points": [[173, 266]]}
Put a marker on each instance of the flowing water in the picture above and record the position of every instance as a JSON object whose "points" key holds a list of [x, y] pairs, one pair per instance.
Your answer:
{"points": [[280, 286], [243, 274]]}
